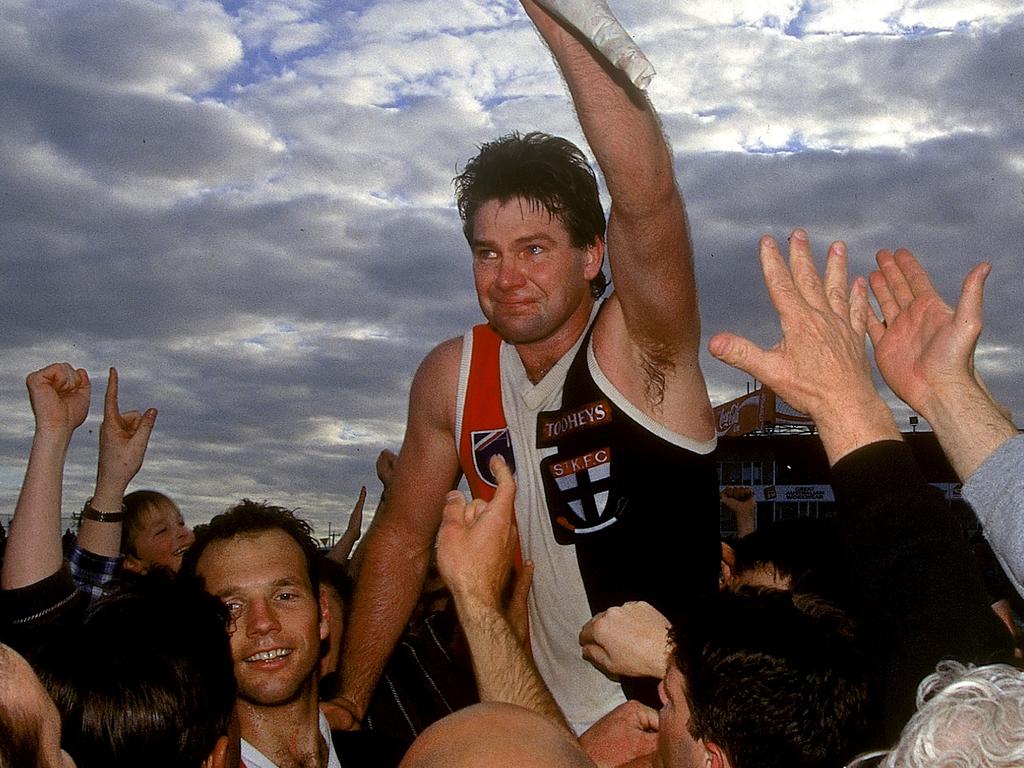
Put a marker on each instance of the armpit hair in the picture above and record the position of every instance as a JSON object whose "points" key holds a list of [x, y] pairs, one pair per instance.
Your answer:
{"points": [[655, 362]]}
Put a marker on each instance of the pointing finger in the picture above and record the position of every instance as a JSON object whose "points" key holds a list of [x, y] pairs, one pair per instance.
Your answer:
{"points": [[110, 399]]}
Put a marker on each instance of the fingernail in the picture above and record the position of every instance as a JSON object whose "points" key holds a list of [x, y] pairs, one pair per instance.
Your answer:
{"points": [[799, 234]]}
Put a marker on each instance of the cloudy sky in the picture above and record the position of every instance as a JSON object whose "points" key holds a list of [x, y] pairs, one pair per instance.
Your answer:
{"points": [[246, 206]]}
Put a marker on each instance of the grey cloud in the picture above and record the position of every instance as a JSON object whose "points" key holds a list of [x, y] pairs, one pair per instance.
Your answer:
{"points": [[271, 266]]}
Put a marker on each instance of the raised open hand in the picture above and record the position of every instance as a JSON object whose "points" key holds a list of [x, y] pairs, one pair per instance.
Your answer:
{"points": [[820, 366], [923, 347]]}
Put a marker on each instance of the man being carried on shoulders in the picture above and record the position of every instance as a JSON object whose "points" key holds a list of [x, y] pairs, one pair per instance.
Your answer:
{"points": [[599, 408]]}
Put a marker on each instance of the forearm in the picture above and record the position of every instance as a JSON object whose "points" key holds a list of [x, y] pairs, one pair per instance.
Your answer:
{"points": [[618, 121], [970, 426], [390, 579], [34, 542], [504, 670], [103, 538], [915, 575], [649, 247], [855, 424], [996, 492]]}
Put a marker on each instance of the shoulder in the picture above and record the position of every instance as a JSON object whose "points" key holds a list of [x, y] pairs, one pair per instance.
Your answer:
{"points": [[434, 387], [442, 359]]}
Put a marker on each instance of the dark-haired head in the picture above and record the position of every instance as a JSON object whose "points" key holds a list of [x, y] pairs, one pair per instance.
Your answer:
{"points": [[775, 680], [547, 170], [248, 517], [154, 533], [146, 680]]}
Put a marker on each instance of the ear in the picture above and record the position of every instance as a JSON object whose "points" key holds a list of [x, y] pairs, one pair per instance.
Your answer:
{"points": [[716, 758], [219, 755], [325, 614], [593, 258], [133, 564]]}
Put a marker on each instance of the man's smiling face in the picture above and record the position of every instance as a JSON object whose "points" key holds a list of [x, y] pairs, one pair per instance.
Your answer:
{"points": [[278, 620]]}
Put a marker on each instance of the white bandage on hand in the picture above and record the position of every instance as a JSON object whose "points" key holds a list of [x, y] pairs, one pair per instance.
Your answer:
{"points": [[595, 21]]}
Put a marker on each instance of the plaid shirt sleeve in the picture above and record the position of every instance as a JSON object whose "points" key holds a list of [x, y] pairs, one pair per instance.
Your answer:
{"points": [[92, 572]]}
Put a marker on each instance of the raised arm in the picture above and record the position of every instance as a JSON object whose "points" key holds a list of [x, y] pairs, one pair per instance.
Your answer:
{"points": [[925, 352], [340, 552], [911, 564], [59, 395], [124, 438], [395, 552], [476, 546], [654, 315]]}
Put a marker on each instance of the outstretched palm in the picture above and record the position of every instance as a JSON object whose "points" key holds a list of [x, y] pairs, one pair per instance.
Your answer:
{"points": [[921, 344]]}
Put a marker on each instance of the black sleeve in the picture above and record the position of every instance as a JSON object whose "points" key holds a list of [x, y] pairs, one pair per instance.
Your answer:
{"points": [[921, 592], [33, 615]]}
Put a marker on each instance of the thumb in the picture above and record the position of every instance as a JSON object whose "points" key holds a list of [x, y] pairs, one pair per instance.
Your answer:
{"points": [[454, 506], [145, 428], [969, 307], [523, 582], [739, 353]]}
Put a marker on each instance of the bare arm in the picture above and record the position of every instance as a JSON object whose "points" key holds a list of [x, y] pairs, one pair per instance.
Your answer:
{"points": [[925, 352], [627, 733], [739, 499], [396, 550], [124, 438], [648, 237], [476, 547], [60, 401], [341, 550]]}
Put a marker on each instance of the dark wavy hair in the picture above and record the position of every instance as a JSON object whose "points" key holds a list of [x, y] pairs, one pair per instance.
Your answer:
{"points": [[253, 517], [545, 169], [775, 679]]}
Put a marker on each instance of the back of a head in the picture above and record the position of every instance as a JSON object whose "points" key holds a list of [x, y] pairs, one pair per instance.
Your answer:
{"points": [[967, 716], [148, 680], [29, 724], [805, 551], [492, 734], [774, 679]]}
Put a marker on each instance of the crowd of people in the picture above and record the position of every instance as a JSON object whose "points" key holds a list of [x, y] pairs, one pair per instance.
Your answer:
{"points": [[579, 609]]}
